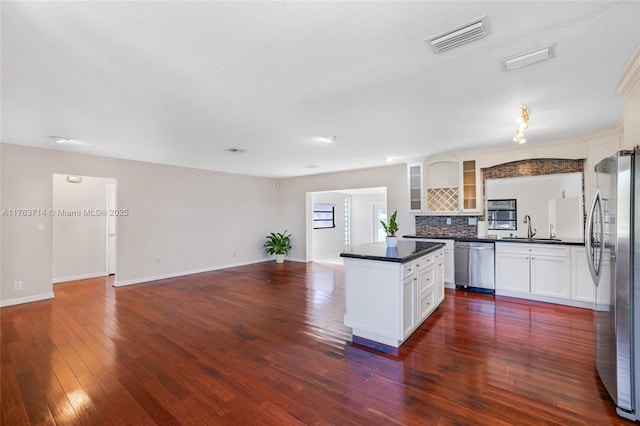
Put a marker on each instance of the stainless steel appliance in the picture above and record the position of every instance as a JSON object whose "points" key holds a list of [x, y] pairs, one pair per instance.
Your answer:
{"points": [[613, 254], [474, 266]]}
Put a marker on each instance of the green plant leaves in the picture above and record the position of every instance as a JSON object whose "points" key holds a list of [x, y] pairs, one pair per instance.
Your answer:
{"points": [[278, 243], [392, 227]]}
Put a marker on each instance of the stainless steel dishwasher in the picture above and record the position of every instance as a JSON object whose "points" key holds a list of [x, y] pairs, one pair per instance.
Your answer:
{"points": [[474, 265]]}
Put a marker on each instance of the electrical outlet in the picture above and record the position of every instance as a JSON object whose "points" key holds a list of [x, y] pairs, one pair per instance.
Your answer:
{"points": [[448, 221], [17, 285]]}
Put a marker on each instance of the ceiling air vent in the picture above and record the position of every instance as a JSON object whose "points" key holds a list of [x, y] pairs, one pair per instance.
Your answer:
{"points": [[528, 58], [458, 36]]}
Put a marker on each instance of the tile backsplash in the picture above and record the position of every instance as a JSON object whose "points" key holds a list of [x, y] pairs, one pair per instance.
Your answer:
{"points": [[436, 226]]}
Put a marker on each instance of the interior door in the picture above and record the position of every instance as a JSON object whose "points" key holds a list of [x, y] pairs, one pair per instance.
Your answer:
{"points": [[111, 229]]}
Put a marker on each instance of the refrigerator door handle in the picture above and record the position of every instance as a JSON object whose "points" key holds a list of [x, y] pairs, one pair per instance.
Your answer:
{"points": [[590, 241]]}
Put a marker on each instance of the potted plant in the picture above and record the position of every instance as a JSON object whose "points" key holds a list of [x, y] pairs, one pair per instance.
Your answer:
{"points": [[278, 243], [391, 228]]}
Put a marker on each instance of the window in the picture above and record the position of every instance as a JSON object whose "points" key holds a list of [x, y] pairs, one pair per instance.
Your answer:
{"points": [[502, 215], [324, 216]]}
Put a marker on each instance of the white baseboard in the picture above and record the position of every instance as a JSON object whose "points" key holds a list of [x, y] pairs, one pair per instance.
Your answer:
{"points": [[295, 259], [548, 299], [27, 299], [122, 283], [79, 277]]}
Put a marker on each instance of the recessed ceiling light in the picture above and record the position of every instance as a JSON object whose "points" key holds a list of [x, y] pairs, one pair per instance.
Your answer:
{"points": [[311, 166], [390, 159], [329, 138], [59, 139], [236, 150]]}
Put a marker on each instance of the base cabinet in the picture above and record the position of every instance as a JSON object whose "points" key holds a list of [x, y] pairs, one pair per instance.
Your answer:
{"points": [[449, 272], [551, 276], [386, 301], [448, 266], [535, 271], [440, 274], [408, 306], [512, 272]]}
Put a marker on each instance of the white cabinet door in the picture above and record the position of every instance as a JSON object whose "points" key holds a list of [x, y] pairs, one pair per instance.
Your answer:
{"points": [[551, 276], [512, 272], [415, 177], [427, 292], [470, 186], [582, 287], [440, 272], [408, 305], [448, 267]]}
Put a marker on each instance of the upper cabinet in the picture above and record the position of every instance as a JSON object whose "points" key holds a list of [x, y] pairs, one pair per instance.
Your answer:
{"points": [[415, 177], [470, 186], [447, 186], [442, 186]]}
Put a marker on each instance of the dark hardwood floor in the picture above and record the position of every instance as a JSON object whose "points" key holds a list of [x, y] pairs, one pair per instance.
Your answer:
{"points": [[265, 344]]}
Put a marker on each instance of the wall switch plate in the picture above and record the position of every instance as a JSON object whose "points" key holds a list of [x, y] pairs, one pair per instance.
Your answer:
{"points": [[40, 227], [17, 285], [448, 221], [473, 221]]}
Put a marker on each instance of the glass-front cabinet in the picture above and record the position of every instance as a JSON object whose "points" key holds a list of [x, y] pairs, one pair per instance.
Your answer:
{"points": [[415, 172], [469, 201], [470, 186]]}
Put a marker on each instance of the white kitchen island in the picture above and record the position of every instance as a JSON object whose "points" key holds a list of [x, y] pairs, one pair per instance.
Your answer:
{"points": [[390, 292]]}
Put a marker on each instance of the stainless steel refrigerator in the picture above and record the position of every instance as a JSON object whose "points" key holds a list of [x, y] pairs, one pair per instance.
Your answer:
{"points": [[613, 254]]}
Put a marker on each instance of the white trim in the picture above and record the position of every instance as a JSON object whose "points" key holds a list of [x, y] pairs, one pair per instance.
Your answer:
{"points": [[630, 75], [548, 299], [296, 259], [121, 283], [27, 299], [79, 277]]}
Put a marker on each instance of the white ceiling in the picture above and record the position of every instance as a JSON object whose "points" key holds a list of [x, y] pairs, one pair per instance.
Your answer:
{"points": [[180, 82]]}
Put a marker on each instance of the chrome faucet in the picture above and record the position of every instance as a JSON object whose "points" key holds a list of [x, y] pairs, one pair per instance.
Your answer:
{"points": [[530, 233]]}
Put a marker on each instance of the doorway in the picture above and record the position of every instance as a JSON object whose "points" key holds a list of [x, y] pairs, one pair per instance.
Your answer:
{"points": [[83, 227], [379, 214], [353, 221]]}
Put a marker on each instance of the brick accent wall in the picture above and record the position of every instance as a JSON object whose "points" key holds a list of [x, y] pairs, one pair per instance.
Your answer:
{"points": [[436, 226], [534, 167]]}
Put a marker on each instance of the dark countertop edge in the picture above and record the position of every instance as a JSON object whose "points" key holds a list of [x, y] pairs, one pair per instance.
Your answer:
{"points": [[496, 240], [405, 259]]}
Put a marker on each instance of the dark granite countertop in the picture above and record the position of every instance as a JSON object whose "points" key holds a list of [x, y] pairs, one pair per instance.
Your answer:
{"points": [[407, 250], [566, 241]]}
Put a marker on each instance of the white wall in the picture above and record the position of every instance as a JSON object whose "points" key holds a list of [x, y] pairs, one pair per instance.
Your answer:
{"points": [[79, 242], [181, 220], [294, 197], [532, 195], [362, 216], [184, 220], [329, 241]]}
